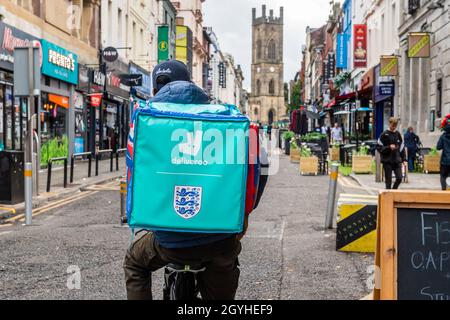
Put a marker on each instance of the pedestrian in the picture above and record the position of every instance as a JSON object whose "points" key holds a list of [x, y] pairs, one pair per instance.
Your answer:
{"points": [[393, 155], [444, 145], [269, 132], [412, 144], [336, 134]]}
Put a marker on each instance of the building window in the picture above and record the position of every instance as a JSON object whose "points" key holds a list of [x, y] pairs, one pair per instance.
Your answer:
{"points": [[258, 88], [439, 98], [272, 87], [256, 111], [272, 54]]}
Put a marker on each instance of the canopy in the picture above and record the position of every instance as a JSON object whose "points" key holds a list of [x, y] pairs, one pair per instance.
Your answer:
{"points": [[364, 109], [341, 113]]}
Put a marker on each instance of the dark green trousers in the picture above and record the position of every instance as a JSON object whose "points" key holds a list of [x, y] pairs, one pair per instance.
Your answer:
{"points": [[219, 281]]}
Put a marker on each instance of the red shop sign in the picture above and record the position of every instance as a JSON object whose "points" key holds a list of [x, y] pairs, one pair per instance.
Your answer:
{"points": [[96, 100], [360, 45]]}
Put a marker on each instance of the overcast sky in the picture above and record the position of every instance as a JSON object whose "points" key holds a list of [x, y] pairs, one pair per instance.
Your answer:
{"points": [[231, 21]]}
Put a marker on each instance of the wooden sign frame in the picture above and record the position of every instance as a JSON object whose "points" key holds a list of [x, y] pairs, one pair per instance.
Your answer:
{"points": [[386, 253]]}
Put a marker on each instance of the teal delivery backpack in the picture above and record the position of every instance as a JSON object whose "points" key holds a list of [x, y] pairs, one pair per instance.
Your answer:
{"points": [[187, 168]]}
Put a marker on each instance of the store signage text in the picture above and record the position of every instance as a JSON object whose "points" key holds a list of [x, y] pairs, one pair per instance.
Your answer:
{"points": [[59, 63], [61, 60], [98, 78], [11, 38]]}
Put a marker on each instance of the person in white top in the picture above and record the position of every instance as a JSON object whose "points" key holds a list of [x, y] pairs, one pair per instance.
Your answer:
{"points": [[336, 134]]}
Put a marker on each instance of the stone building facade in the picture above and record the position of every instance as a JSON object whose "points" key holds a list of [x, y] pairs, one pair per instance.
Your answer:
{"points": [[267, 104], [424, 82]]}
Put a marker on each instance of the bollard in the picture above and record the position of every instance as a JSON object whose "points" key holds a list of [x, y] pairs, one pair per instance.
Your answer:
{"points": [[111, 165], [65, 173], [49, 175], [123, 201], [96, 164], [72, 165], [90, 165], [28, 175], [332, 196]]}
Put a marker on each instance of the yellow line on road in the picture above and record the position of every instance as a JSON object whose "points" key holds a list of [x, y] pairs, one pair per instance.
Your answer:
{"points": [[41, 211], [12, 210]]}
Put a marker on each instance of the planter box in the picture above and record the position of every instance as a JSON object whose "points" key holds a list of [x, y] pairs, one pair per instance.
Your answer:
{"points": [[432, 164], [362, 164], [334, 154], [295, 155], [309, 166]]}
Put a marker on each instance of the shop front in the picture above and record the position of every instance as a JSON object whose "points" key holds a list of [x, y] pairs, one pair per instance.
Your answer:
{"points": [[112, 110], [13, 110], [363, 111], [57, 114], [384, 92]]}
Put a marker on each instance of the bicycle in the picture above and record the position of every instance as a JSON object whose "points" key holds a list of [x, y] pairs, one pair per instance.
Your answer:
{"points": [[181, 282]]}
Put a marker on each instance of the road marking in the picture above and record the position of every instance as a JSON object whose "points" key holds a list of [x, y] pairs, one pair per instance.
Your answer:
{"points": [[5, 233], [12, 210], [40, 211]]}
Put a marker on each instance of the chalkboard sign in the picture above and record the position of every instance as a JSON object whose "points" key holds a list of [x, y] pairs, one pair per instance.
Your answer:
{"points": [[423, 244], [413, 246]]}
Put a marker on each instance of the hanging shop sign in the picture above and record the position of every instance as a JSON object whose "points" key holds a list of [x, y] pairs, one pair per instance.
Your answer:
{"points": [[144, 88], [163, 43], [360, 45], [419, 45], [389, 66], [96, 100], [342, 51], [184, 44], [110, 54], [11, 38], [386, 88], [59, 63]]}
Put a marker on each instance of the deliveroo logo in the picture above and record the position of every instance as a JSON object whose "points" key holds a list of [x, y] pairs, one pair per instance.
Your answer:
{"points": [[193, 144], [206, 147]]}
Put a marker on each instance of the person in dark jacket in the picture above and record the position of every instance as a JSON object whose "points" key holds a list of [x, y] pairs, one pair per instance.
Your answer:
{"points": [[152, 250], [444, 145], [393, 155], [412, 143]]}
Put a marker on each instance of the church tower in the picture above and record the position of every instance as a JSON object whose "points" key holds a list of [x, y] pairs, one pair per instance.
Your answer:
{"points": [[266, 103]]}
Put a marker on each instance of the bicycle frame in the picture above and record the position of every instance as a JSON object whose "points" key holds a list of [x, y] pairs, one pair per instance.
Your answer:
{"points": [[180, 282]]}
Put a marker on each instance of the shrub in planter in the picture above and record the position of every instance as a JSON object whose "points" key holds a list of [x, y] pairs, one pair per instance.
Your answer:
{"points": [[335, 152], [288, 136], [309, 164], [294, 151], [362, 161], [432, 162]]}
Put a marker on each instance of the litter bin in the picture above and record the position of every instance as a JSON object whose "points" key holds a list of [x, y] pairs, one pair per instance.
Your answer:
{"points": [[11, 177]]}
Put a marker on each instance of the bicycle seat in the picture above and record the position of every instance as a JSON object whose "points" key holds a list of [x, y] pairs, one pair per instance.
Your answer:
{"points": [[175, 267]]}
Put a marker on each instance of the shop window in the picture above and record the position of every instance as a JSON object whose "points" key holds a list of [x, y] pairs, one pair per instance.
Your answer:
{"points": [[439, 98]]}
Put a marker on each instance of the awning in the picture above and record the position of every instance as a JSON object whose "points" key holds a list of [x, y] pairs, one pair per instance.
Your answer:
{"points": [[331, 104], [364, 110], [339, 113], [346, 96]]}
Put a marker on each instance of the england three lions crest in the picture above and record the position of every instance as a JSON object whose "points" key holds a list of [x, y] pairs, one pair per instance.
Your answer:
{"points": [[187, 201]]}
